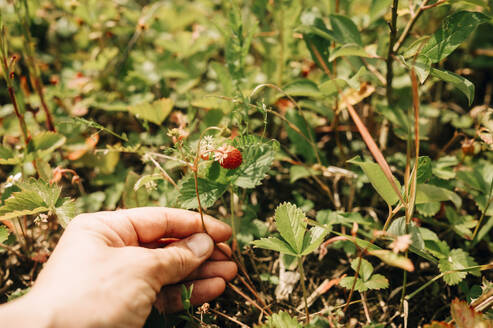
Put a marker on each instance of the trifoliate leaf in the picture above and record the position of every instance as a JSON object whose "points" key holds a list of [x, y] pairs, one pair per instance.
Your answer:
{"points": [[377, 281], [365, 268], [313, 239], [274, 244], [281, 320], [456, 260], [291, 224]]}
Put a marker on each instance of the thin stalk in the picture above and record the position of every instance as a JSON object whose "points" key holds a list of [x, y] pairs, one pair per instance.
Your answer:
{"points": [[305, 294], [390, 52], [412, 192], [410, 25], [354, 282], [476, 229], [480, 267], [281, 42], [196, 179], [404, 285], [31, 64], [365, 306], [233, 223], [195, 169]]}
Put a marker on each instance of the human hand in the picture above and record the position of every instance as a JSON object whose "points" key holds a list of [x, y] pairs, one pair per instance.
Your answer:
{"points": [[108, 269]]}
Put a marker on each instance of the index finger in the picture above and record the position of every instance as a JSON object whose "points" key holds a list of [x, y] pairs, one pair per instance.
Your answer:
{"points": [[148, 224]]}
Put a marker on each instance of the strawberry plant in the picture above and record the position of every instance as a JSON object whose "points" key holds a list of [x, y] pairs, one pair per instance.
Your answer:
{"points": [[347, 143]]}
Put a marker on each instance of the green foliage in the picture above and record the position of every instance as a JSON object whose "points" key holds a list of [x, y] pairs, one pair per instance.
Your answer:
{"points": [[281, 320], [36, 197], [295, 239], [155, 112], [366, 280], [456, 260], [127, 84], [454, 30], [461, 83], [378, 180]]}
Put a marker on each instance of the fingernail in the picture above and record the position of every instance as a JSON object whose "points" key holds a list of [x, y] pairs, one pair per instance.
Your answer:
{"points": [[200, 244]]}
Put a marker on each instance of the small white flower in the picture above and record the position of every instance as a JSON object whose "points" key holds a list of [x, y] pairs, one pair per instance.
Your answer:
{"points": [[207, 144], [13, 179], [150, 186], [222, 153], [42, 218]]}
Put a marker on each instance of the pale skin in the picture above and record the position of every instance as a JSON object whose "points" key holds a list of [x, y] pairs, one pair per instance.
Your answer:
{"points": [[109, 269]]}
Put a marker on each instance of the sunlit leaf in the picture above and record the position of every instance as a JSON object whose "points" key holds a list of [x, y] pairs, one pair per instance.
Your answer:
{"points": [[455, 29]]}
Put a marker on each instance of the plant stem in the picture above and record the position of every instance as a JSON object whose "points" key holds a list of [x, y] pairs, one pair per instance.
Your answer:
{"points": [[233, 223], [404, 284], [354, 282], [31, 64], [281, 42], [305, 294], [476, 229], [410, 25], [390, 52], [196, 179]]}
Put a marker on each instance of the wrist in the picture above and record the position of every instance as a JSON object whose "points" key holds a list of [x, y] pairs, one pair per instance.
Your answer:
{"points": [[27, 311]]}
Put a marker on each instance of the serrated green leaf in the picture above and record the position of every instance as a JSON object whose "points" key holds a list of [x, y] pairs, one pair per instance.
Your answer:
{"points": [[461, 83], [365, 268], [274, 244], [457, 259], [4, 233], [428, 209], [66, 212], [377, 281], [291, 224], [209, 192], [347, 282], [281, 320], [7, 214], [313, 239], [378, 180], [455, 29], [345, 30], [35, 197], [257, 160], [427, 193], [155, 112]]}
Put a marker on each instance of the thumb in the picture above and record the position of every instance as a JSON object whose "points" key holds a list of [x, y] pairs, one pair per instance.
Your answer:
{"points": [[181, 258]]}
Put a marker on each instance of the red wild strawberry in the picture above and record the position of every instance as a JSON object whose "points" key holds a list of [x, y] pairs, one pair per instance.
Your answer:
{"points": [[231, 158]]}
